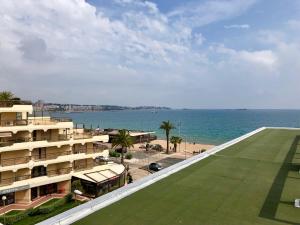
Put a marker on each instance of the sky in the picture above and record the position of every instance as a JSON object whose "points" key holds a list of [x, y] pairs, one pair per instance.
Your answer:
{"points": [[181, 54]]}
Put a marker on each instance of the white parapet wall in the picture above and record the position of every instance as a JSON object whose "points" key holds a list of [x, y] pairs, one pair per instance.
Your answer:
{"points": [[92, 206]]}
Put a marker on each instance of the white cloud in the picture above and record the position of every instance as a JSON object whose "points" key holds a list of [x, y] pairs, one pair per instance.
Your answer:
{"points": [[263, 57], [106, 55], [237, 26], [196, 15], [294, 24]]}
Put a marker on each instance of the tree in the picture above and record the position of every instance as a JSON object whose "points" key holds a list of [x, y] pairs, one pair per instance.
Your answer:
{"points": [[76, 185], [124, 140], [167, 126], [6, 95], [175, 141]]}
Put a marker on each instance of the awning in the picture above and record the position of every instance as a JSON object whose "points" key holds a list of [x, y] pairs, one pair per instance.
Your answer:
{"points": [[136, 134], [98, 176]]}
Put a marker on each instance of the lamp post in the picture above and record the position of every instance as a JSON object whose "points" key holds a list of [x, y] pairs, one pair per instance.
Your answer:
{"points": [[3, 199], [179, 130], [78, 193], [185, 147]]}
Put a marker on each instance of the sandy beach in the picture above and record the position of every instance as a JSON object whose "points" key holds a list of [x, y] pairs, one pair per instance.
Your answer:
{"points": [[188, 147]]}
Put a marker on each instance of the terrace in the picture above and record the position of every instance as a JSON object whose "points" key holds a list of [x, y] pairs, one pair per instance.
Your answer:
{"points": [[11, 103], [34, 121], [254, 181]]}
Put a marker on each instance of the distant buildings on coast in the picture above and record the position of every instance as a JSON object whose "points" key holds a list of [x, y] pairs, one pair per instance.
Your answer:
{"points": [[43, 106]]}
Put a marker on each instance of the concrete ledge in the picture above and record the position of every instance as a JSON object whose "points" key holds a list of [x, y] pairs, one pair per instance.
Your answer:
{"points": [[90, 207]]}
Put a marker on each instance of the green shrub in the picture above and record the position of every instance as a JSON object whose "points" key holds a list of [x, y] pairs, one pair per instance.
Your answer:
{"points": [[69, 197], [33, 211], [12, 219], [115, 154], [128, 156], [49, 208]]}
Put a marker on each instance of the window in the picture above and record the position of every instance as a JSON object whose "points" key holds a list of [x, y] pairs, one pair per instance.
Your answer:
{"points": [[18, 116]]}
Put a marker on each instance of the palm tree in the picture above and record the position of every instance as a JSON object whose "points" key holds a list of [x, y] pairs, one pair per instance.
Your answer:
{"points": [[175, 141], [6, 95], [167, 126], [124, 140]]}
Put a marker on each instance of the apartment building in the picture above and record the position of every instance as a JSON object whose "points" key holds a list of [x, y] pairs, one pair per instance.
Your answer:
{"points": [[42, 155]]}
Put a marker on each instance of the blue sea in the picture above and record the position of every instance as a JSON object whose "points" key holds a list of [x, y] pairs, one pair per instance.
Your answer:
{"points": [[201, 126]]}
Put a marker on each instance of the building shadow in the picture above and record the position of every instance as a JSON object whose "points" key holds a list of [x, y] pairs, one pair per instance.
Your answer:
{"points": [[272, 200]]}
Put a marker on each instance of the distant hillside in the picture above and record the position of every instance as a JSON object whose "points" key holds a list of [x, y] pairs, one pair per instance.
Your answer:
{"points": [[39, 106]]}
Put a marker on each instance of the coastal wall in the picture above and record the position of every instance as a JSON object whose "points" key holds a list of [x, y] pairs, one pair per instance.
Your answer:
{"points": [[88, 208]]}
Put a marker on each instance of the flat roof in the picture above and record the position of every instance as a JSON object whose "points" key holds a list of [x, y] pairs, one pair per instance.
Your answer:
{"points": [[252, 182], [96, 175]]}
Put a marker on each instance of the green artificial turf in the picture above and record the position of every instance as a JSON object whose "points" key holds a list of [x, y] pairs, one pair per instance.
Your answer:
{"points": [[252, 182]]}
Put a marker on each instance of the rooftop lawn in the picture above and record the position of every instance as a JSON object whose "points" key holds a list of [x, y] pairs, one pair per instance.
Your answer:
{"points": [[252, 182]]}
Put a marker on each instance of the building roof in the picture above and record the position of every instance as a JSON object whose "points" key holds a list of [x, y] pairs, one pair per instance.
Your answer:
{"points": [[133, 133], [97, 176]]}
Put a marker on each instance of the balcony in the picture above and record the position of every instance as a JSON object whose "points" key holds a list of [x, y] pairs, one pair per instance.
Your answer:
{"points": [[11, 123], [11, 180], [80, 151], [15, 161], [12, 141], [50, 173], [60, 171], [83, 166], [85, 135], [60, 137], [33, 121], [11, 103], [48, 120], [49, 156], [99, 148]]}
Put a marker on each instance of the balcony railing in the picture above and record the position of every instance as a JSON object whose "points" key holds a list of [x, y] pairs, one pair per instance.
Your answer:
{"points": [[11, 180], [49, 156], [84, 135], [79, 151], [48, 121], [12, 141], [38, 121], [15, 161], [52, 173], [83, 166], [60, 171], [10, 103], [60, 137], [11, 123], [99, 148], [61, 119]]}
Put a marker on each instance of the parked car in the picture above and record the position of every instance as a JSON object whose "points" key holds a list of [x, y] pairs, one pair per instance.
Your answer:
{"points": [[155, 167], [157, 147], [119, 150]]}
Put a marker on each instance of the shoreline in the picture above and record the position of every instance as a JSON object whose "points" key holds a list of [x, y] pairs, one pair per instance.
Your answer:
{"points": [[188, 147]]}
